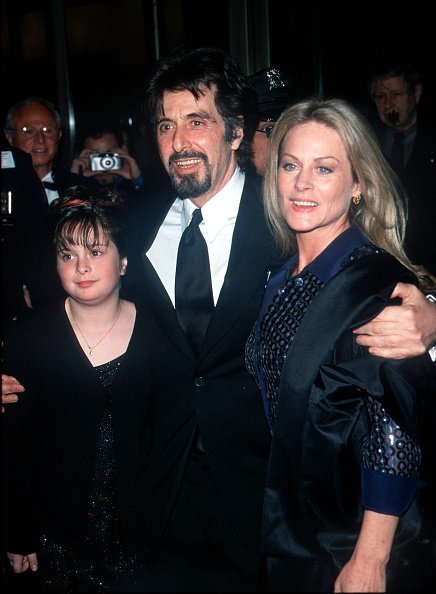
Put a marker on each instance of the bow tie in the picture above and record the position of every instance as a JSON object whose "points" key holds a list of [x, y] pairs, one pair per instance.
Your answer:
{"points": [[49, 185]]}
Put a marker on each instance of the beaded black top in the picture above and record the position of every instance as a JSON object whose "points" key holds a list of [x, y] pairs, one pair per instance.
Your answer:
{"points": [[102, 562]]}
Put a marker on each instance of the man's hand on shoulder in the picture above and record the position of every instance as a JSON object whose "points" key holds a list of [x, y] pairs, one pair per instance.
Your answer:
{"points": [[402, 331], [11, 387]]}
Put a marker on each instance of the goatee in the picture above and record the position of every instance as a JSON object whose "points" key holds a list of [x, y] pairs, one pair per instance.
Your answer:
{"points": [[189, 185]]}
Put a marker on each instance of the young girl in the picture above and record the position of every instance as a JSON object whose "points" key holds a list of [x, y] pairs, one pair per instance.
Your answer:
{"points": [[74, 443]]}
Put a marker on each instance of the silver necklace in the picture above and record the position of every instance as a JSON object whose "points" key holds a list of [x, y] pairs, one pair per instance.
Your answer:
{"points": [[91, 348]]}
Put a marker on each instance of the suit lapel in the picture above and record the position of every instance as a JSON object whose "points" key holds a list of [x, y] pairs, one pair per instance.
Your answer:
{"points": [[163, 309], [250, 256], [146, 282]]}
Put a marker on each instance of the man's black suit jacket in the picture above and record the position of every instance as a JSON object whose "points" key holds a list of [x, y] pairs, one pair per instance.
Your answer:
{"points": [[27, 253], [64, 179], [419, 180], [213, 392]]}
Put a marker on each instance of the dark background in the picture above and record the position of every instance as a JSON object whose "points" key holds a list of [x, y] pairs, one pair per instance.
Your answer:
{"points": [[91, 57]]}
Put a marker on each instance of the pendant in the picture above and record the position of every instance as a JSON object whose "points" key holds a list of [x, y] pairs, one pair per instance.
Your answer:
{"points": [[91, 352]]}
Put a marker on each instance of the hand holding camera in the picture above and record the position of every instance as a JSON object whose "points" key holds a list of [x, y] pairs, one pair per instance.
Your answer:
{"points": [[116, 162], [105, 161]]}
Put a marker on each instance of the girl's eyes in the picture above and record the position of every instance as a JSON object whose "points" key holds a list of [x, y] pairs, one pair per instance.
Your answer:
{"points": [[67, 256]]}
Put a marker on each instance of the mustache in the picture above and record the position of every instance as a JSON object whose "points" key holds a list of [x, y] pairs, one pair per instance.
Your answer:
{"points": [[393, 117], [187, 155]]}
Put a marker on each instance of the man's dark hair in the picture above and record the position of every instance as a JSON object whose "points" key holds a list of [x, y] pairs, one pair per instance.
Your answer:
{"points": [[407, 70], [188, 70], [100, 128]]}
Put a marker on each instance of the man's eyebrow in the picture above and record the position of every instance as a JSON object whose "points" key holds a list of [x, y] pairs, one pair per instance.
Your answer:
{"points": [[201, 115], [164, 119]]}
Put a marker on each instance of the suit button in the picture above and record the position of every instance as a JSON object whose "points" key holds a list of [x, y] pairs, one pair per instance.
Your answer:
{"points": [[199, 382]]}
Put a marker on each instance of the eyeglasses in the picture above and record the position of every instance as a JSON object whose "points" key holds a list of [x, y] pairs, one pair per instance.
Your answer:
{"points": [[29, 132], [268, 130]]}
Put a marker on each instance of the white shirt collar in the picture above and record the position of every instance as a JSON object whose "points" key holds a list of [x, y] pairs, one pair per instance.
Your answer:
{"points": [[48, 177]]}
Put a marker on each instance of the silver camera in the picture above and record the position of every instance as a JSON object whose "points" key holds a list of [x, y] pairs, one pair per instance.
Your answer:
{"points": [[105, 161]]}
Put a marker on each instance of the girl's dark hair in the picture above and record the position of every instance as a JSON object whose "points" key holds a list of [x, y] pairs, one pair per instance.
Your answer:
{"points": [[79, 217], [235, 99], [100, 128]]}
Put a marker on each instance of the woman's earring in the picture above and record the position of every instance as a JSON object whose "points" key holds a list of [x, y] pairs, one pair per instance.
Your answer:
{"points": [[357, 199]]}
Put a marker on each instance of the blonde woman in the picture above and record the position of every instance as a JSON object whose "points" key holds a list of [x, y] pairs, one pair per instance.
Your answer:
{"points": [[345, 460]]}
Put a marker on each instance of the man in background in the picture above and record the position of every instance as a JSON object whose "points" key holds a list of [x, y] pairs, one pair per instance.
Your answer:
{"points": [[273, 89], [34, 125], [118, 171], [408, 141]]}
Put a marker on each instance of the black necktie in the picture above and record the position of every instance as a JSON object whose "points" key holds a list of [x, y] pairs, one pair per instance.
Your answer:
{"points": [[194, 297], [397, 153]]}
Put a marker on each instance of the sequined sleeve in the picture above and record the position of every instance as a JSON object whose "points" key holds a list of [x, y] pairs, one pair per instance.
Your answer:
{"points": [[391, 462]]}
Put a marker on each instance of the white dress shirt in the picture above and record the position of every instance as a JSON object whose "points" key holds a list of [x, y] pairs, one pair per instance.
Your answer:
{"points": [[217, 226]]}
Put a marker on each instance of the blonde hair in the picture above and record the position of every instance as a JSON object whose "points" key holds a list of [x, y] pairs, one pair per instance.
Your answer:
{"points": [[382, 212]]}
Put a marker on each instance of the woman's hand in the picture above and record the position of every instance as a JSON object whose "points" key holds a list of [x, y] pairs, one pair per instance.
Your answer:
{"points": [[366, 569], [358, 576]]}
